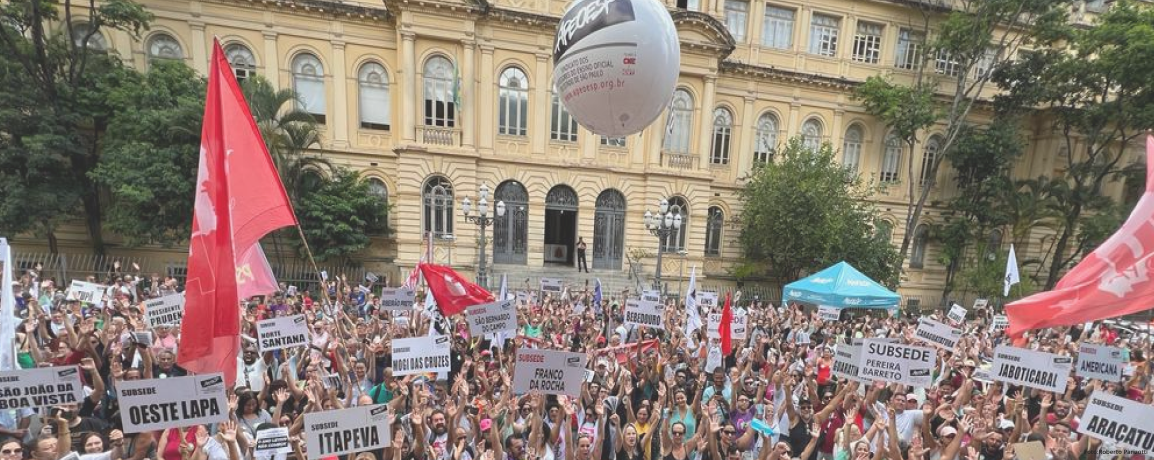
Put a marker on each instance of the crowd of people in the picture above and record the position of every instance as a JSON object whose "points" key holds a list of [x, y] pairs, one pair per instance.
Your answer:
{"points": [[649, 394]]}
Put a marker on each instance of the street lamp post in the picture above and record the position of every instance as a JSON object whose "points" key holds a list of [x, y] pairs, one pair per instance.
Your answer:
{"points": [[661, 225], [483, 221]]}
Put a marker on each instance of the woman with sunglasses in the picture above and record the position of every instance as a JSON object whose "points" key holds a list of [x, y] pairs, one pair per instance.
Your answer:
{"points": [[674, 444], [11, 449]]}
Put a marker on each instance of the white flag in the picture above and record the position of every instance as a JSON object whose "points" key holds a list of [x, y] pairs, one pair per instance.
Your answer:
{"points": [[1012, 277], [7, 310], [504, 294], [693, 320]]}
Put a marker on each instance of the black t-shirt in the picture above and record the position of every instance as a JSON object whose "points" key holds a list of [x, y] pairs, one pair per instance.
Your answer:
{"points": [[87, 425]]}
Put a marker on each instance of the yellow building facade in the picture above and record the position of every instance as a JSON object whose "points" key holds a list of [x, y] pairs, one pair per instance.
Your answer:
{"points": [[434, 98]]}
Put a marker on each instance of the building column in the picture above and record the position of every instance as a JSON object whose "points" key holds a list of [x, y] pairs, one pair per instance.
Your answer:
{"points": [[409, 86], [542, 102], [271, 59], [793, 124], [487, 127], [835, 132], [199, 51], [340, 96], [468, 102], [748, 129], [706, 127]]}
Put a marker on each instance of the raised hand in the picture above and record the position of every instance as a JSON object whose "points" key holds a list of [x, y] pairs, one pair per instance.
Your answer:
{"points": [[281, 396], [201, 435], [228, 430]]}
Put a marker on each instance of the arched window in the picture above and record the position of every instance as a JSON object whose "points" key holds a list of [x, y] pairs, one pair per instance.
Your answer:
{"points": [[722, 133], [163, 46], [564, 126], [242, 60], [884, 230], [375, 104], [679, 124], [811, 134], [994, 244], [851, 148], [513, 102], [378, 189], [766, 143], [440, 104], [675, 242], [309, 84], [921, 240], [438, 206], [96, 42], [713, 226], [891, 159], [928, 158]]}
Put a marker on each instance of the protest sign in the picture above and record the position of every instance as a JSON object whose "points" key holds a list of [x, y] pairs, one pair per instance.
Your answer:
{"points": [[372, 277], [282, 332], [828, 313], [846, 361], [1032, 450], [166, 311], [644, 313], [397, 299], [492, 318], [1119, 420], [156, 404], [419, 355], [999, 323], [552, 285], [937, 334], [523, 297], [738, 328], [707, 299], [86, 292], [345, 431], [651, 296], [981, 303], [1034, 369], [1100, 362], [40, 387], [957, 314], [272, 441], [897, 363], [548, 371], [142, 337]]}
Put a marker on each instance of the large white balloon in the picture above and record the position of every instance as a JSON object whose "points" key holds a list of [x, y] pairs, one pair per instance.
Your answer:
{"points": [[616, 63]]}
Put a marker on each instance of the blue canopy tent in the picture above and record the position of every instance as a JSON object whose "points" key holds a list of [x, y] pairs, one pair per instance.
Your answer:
{"points": [[841, 286]]}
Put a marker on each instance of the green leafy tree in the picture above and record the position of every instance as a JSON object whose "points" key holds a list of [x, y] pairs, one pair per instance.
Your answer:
{"points": [[1093, 84], [339, 214], [151, 154], [805, 212], [973, 39], [55, 112]]}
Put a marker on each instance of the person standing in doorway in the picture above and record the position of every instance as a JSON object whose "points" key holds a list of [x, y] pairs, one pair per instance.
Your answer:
{"points": [[581, 255]]}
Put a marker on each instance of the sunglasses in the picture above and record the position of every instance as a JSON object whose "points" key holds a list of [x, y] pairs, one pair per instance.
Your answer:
{"points": [[729, 432], [15, 451]]}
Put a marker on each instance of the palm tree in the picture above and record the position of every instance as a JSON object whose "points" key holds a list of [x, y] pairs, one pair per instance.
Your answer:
{"points": [[289, 132]]}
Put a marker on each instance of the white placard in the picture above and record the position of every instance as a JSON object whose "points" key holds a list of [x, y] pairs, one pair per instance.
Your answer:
{"points": [[523, 297], [981, 303], [897, 363], [420, 355], [156, 404], [397, 299], [739, 327], [957, 314], [272, 441], [706, 299], [714, 359], [344, 431], [1034, 369], [492, 318], [1119, 420], [651, 296], [167, 310], [828, 313], [548, 371], [644, 313], [1100, 362], [86, 292], [553, 285], [40, 387], [847, 361], [282, 332], [937, 334], [999, 322], [372, 277]]}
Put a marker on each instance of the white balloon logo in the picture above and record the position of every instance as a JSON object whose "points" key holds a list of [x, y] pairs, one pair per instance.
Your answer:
{"points": [[616, 63]]}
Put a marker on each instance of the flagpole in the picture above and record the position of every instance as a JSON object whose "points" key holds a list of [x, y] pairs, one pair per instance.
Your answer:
{"points": [[324, 291]]}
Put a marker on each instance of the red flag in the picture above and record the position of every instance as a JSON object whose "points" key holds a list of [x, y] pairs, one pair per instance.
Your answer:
{"points": [[725, 329], [253, 273], [231, 211], [1112, 281], [452, 291]]}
